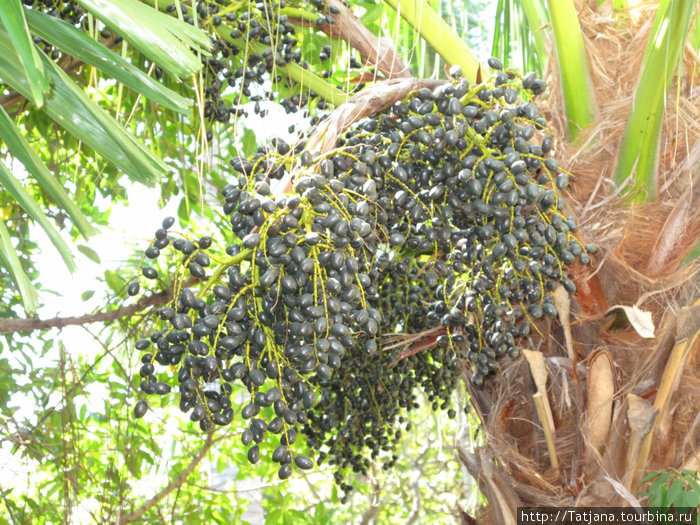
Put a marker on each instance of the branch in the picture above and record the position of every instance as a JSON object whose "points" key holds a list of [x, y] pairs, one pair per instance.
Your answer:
{"points": [[7, 504], [367, 102], [30, 325], [174, 484], [372, 48], [415, 488], [369, 516]]}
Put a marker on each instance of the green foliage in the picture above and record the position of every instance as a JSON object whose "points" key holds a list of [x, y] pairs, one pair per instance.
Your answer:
{"points": [[663, 54], [672, 489], [73, 451], [12, 16]]}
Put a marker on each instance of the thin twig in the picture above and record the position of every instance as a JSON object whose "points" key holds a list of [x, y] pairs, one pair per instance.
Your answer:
{"points": [[369, 516], [174, 484], [415, 489], [7, 504]]}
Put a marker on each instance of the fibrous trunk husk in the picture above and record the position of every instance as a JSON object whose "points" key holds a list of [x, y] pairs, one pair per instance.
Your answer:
{"points": [[632, 406]]}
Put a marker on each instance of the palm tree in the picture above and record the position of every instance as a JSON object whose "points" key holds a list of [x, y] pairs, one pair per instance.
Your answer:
{"points": [[588, 413]]}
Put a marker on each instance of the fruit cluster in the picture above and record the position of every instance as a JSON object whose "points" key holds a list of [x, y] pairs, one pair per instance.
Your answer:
{"points": [[250, 42], [67, 10], [423, 245]]}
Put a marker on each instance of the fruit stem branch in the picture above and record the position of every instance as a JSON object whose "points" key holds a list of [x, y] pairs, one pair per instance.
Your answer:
{"points": [[226, 264], [300, 14]]}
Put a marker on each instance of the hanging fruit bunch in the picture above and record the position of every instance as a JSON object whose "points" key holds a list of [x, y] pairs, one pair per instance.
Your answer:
{"points": [[422, 245], [251, 43]]}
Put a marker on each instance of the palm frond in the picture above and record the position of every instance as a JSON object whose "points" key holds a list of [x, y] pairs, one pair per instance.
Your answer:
{"points": [[12, 17], [20, 148], [639, 150], [165, 40], [438, 33], [14, 187], [10, 260], [79, 45], [572, 65]]}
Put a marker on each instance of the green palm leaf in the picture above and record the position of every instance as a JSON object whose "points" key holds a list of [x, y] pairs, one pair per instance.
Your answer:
{"points": [[163, 39], [81, 46], [572, 64], [12, 16], [14, 188], [72, 108], [640, 144], [9, 259], [438, 33], [20, 148]]}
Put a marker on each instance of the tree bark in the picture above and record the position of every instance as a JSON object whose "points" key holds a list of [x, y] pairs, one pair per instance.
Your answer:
{"points": [[30, 325]]}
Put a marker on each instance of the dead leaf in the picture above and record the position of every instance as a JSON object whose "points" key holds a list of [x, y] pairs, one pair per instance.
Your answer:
{"points": [[620, 317], [562, 302], [623, 492], [600, 393]]}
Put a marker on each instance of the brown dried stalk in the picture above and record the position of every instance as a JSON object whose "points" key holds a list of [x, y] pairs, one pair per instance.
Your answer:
{"points": [[373, 49], [376, 98]]}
